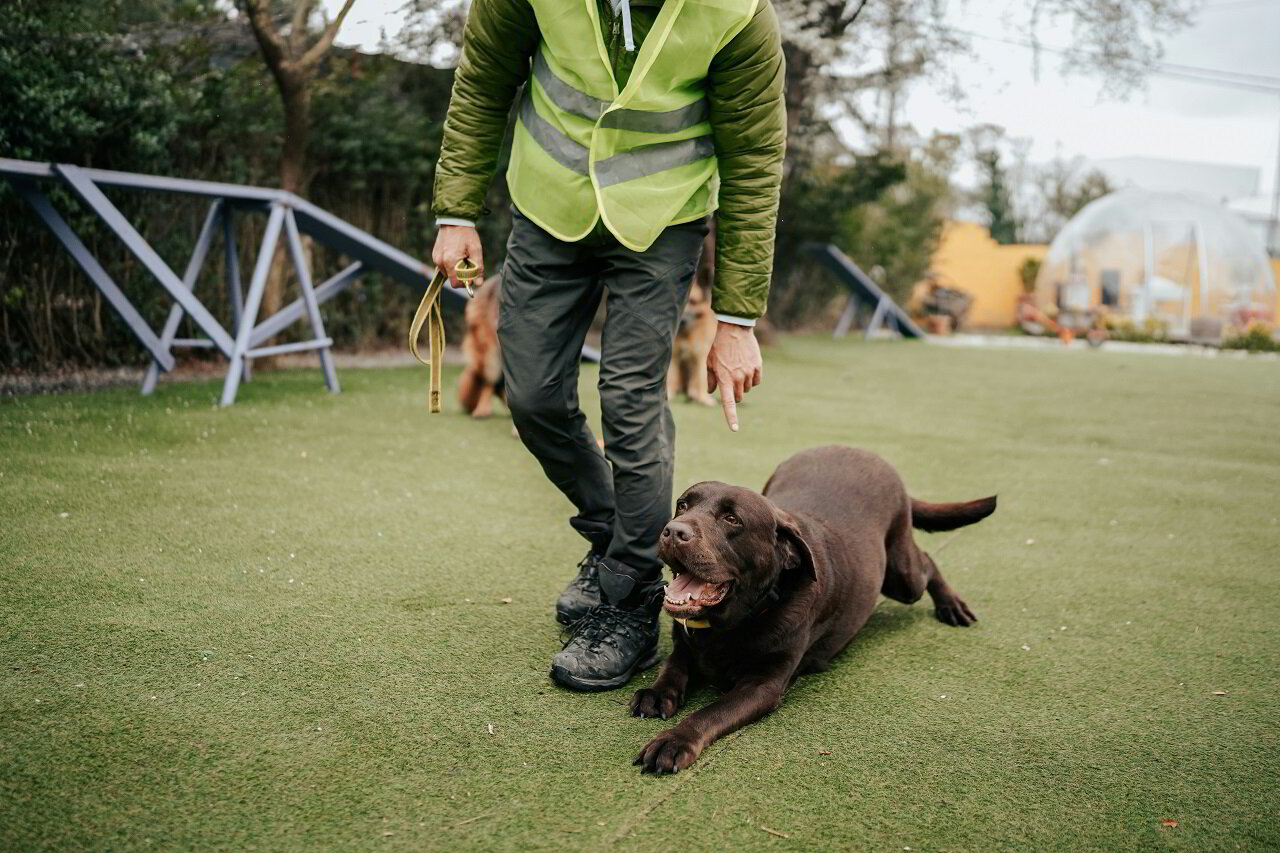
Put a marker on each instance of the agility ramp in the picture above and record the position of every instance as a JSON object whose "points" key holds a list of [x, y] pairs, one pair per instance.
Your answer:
{"points": [[288, 217], [886, 314]]}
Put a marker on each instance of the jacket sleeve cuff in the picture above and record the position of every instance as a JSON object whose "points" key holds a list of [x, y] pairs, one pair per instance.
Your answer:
{"points": [[455, 220], [738, 294], [735, 320]]}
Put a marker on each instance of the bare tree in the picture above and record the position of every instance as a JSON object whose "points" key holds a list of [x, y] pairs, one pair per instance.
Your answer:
{"points": [[292, 57], [432, 31], [1118, 40], [853, 60], [1064, 188]]}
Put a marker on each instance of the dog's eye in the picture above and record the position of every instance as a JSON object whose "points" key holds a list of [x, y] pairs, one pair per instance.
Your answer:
{"points": [[730, 518], [681, 506]]}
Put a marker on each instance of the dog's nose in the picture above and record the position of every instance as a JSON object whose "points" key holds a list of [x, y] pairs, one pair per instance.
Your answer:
{"points": [[681, 531]]}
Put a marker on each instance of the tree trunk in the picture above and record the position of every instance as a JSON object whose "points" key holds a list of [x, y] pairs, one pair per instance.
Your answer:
{"points": [[894, 83], [296, 98], [293, 63], [800, 133]]}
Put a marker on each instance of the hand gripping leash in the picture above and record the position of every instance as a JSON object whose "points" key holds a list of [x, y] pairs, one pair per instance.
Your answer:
{"points": [[429, 313]]}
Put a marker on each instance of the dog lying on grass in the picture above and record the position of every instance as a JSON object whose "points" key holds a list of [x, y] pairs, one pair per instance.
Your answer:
{"points": [[771, 586]]}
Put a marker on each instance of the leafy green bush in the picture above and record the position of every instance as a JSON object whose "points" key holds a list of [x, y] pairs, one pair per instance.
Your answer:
{"points": [[1256, 337], [1123, 329], [175, 88], [1028, 273]]}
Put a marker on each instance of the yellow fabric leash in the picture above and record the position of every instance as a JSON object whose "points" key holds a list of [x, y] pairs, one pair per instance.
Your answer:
{"points": [[429, 313], [692, 623]]}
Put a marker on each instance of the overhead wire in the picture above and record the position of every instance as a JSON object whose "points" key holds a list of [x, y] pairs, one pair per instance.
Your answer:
{"points": [[1212, 76]]}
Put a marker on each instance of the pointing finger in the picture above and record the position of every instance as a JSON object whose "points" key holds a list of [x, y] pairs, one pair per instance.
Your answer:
{"points": [[730, 405]]}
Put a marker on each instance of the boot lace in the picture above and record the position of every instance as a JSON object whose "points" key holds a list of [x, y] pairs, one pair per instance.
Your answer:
{"points": [[588, 573], [604, 624]]}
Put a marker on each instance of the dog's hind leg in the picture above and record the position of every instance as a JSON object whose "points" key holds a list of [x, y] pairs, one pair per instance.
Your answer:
{"points": [[910, 573], [698, 381], [674, 379], [470, 388], [484, 403], [947, 606]]}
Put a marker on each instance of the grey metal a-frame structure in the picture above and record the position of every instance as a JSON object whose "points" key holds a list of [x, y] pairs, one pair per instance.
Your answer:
{"points": [[862, 290], [247, 337]]}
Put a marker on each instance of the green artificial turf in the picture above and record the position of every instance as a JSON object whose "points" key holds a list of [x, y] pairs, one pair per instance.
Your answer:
{"points": [[325, 621]]}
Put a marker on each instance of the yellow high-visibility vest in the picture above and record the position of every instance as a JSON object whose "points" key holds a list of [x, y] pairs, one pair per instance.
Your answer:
{"points": [[640, 158]]}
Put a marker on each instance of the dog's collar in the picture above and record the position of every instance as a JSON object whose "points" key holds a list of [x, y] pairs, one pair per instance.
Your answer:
{"points": [[770, 598]]}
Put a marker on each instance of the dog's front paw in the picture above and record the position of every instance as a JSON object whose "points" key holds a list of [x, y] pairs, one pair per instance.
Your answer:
{"points": [[703, 399], [654, 703], [669, 752]]}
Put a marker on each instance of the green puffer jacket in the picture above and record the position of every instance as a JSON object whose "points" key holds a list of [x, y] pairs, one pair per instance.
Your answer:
{"points": [[744, 88]]}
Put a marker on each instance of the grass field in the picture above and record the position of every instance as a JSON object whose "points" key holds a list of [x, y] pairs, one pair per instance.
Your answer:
{"points": [[326, 621]]}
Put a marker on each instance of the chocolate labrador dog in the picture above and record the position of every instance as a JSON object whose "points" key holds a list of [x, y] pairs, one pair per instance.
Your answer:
{"points": [[769, 587]]}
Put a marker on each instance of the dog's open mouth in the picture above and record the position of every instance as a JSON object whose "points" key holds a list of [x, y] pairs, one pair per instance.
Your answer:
{"points": [[687, 594]]}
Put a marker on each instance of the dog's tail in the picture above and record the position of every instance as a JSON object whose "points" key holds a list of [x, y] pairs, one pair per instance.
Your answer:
{"points": [[935, 517]]}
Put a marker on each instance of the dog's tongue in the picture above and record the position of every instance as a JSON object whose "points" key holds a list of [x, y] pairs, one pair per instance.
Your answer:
{"points": [[686, 586]]}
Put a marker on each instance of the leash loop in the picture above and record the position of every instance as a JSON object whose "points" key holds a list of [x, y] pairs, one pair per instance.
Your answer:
{"points": [[429, 314]]}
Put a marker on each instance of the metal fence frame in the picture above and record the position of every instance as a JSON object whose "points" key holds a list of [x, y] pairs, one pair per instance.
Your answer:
{"points": [[247, 337], [887, 314]]}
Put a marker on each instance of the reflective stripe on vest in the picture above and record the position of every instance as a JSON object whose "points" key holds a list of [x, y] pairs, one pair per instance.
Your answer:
{"points": [[667, 122], [559, 147], [639, 162], [637, 156], [579, 103], [627, 166], [563, 95], [652, 159]]}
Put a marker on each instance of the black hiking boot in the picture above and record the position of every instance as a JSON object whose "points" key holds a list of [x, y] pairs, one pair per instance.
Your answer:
{"points": [[582, 593], [607, 647]]}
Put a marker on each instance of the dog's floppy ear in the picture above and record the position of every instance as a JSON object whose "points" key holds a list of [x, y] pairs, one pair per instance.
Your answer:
{"points": [[793, 551]]}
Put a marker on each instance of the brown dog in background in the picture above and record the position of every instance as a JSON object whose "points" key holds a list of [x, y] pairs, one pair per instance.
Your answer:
{"points": [[688, 372], [482, 374]]}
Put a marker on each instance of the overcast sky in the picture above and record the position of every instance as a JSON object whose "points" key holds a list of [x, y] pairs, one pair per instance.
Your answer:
{"points": [[1169, 118], [1070, 116]]}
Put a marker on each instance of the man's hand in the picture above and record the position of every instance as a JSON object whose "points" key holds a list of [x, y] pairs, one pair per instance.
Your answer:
{"points": [[733, 364], [453, 243]]}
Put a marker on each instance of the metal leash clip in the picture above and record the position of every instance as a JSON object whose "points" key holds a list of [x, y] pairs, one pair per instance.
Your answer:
{"points": [[466, 272], [429, 313]]}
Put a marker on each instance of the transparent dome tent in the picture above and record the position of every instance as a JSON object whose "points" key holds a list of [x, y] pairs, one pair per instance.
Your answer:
{"points": [[1174, 266]]}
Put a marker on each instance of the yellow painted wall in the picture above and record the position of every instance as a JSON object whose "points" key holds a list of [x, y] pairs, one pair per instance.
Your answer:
{"points": [[967, 258], [1275, 273]]}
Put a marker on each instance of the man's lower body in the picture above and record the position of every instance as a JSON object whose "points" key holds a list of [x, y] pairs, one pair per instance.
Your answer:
{"points": [[549, 295]]}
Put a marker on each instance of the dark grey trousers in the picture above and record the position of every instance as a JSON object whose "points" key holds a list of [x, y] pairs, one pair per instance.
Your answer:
{"points": [[549, 295]]}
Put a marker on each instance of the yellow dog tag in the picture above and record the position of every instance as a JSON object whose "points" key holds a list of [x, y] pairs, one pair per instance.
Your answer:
{"points": [[429, 313]]}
